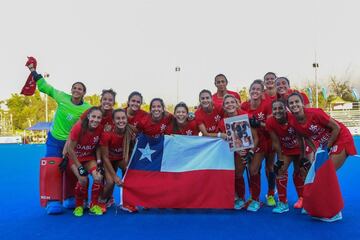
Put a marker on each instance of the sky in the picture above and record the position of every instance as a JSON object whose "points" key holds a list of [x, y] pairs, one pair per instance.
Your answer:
{"points": [[137, 44]]}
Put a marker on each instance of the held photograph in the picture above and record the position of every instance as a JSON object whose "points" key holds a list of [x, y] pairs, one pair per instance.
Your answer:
{"points": [[238, 133]]}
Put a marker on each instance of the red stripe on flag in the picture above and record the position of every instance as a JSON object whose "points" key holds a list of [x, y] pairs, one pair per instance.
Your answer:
{"points": [[322, 198], [194, 189]]}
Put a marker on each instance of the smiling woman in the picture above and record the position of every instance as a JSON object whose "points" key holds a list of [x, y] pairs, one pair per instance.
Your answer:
{"points": [[69, 110]]}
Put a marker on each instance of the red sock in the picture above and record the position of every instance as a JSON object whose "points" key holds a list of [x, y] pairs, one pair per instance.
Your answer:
{"points": [[299, 183], [80, 194], [96, 190], [281, 184], [255, 187], [240, 187]]}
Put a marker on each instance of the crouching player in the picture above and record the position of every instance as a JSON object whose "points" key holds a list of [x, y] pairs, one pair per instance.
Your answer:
{"points": [[115, 150], [82, 150], [287, 144], [324, 131]]}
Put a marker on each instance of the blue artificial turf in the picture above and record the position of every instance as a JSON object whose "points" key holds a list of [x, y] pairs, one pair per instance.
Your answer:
{"points": [[21, 216]]}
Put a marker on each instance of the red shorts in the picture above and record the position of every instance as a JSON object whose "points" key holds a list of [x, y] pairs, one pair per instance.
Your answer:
{"points": [[344, 142]]}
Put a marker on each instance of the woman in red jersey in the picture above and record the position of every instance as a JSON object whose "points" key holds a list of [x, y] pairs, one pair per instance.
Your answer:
{"points": [[232, 108], [133, 111], [259, 110], [323, 131], [208, 115], [283, 90], [82, 150], [287, 145], [115, 150], [270, 89], [181, 124], [221, 83], [107, 102], [154, 124]]}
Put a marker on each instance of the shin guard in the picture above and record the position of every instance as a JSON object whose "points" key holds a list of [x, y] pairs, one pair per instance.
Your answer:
{"points": [[281, 184], [299, 183], [80, 194], [96, 191]]}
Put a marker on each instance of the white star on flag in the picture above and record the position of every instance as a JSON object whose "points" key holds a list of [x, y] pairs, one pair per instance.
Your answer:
{"points": [[146, 152]]}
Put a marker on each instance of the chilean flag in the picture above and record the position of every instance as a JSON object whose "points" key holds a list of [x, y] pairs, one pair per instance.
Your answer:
{"points": [[322, 194], [180, 172]]}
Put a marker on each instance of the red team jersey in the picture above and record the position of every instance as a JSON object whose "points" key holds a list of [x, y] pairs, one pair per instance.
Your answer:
{"points": [[106, 123], [140, 114], [210, 120], [304, 96], [114, 142], [287, 136], [154, 129], [190, 128], [218, 101], [85, 148], [261, 113], [269, 98], [221, 125], [316, 129]]}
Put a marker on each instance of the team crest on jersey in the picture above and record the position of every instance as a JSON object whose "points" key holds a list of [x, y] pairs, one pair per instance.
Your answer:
{"points": [[162, 127], [96, 140], [217, 118], [107, 127], [261, 116], [313, 128], [69, 117], [291, 130]]}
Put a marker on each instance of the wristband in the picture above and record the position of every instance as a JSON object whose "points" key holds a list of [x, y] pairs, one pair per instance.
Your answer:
{"points": [[98, 161], [219, 134]]}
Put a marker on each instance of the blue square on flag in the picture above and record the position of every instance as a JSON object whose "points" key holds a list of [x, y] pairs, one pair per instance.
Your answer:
{"points": [[148, 154]]}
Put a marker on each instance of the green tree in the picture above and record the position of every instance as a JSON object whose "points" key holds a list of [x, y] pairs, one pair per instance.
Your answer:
{"points": [[341, 89], [244, 94], [27, 111]]}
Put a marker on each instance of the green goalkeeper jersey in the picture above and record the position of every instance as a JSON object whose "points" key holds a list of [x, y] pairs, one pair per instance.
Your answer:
{"points": [[67, 113]]}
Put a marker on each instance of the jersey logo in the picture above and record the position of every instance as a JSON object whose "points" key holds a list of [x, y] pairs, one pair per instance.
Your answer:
{"points": [[313, 128], [69, 117], [291, 130], [217, 118], [162, 127], [261, 116], [189, 132]]}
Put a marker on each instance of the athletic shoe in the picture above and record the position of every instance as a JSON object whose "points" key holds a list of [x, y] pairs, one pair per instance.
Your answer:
{"points": [[254, 206], [270, 201], [299, 203], [78, 212], [335, 218], [54, 207], [281, 207], [110, 202], [102, 206], [96, 210], [69, 203], [239, 204], [129, 208]]}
